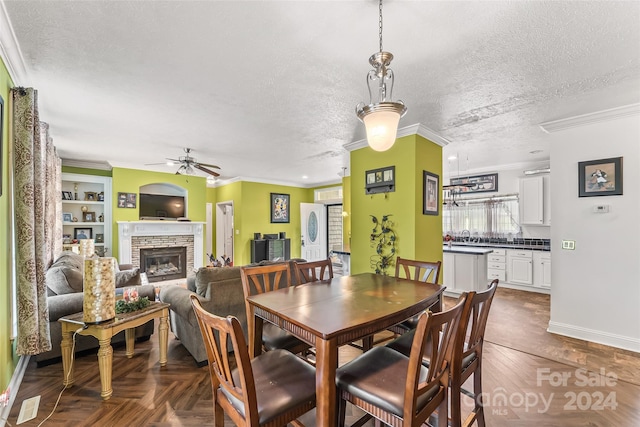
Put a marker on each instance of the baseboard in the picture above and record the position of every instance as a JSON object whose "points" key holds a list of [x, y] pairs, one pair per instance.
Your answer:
{"points": [[14, 385], [613, 340]]}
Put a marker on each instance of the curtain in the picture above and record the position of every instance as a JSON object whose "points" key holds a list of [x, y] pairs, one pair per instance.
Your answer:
{"points": [[494, 217], [37, 217]]}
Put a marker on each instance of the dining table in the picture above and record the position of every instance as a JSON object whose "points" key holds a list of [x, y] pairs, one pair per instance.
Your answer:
{"points": [[329, 313]]}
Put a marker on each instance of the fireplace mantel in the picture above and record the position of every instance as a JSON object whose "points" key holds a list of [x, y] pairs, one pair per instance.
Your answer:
{"points": [[129, 229]]}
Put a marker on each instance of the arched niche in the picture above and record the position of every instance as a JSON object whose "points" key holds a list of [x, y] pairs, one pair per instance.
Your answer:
{"points": [[171, 194]]}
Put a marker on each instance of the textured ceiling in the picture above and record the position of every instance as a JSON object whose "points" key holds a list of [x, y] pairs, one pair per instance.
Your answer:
{"points": [[267, 89]]}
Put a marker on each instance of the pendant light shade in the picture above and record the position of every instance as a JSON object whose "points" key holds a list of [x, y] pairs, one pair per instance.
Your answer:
{"points": [[382, 115]]}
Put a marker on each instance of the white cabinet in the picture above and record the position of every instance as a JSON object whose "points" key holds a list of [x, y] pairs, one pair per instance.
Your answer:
{"points": [[542, 269], [520, 267], [497, 265], [86, 210], [531, 201], [464, 272]]}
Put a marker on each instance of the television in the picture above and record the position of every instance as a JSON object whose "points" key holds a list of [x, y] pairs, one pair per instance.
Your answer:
{"points": [[161, 207]]}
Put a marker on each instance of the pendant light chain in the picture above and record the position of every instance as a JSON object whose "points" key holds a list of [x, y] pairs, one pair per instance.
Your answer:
{"points": [[380, 24]]}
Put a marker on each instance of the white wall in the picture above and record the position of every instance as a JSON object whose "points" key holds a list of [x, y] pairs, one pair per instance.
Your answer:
{"points": [[596, 287]]}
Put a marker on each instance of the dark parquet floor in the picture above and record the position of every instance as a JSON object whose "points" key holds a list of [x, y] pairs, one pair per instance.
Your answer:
{"points": [[521, 365]]}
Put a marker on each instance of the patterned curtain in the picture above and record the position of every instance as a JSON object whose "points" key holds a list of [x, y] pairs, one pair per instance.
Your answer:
{"points": [[37, 217]]}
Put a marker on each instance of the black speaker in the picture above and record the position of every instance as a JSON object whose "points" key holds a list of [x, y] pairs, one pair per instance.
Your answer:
{"points": [[256, 236], [283, 235]]}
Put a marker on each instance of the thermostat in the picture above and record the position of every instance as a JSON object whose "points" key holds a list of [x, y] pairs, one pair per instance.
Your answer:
{"points": [[601, 209]]}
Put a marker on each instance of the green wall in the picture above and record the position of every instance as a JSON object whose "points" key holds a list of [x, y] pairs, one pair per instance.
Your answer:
{"points": [[130, 181], [346, 207], [8, 360], [418, 236], [251, 203]]}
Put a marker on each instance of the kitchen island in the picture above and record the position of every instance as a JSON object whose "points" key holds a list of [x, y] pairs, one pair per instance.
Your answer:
{"points": [[464, 269]]}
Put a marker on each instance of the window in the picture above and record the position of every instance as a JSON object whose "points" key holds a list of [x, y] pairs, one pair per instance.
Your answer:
{"points": [[493, 217]]}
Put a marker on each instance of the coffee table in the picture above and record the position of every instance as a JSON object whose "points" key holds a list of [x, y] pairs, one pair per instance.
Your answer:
{"points": [[103, 333]]}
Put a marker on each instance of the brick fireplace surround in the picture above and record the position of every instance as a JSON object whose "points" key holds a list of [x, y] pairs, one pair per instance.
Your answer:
{"points": [[135, 235]]}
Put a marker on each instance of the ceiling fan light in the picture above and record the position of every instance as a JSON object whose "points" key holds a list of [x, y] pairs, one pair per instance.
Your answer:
{"points": [[382, 128], [188, 170]]}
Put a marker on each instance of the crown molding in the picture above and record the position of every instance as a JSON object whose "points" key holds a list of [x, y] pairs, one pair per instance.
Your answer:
{"points": [[10, 50], [590, 118], [415, 129], [87, 164], [223, 182]]}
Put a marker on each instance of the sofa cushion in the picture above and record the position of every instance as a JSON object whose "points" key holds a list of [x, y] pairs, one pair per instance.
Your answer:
{"points": [[126, 278], [206, 275]]}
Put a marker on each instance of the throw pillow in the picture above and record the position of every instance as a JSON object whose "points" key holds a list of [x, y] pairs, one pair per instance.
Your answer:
{"points": [[64, 280], [127, 278], [206, 275]]}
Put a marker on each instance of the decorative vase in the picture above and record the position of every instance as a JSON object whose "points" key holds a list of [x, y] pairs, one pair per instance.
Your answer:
{"points": [[87, 248], [99, 303]]}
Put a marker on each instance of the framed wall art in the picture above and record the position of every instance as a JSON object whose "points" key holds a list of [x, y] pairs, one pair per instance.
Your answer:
{"points": [[600, 177], [127, 200], [476, 183], [280, 207], [382, 180], [430, 194]]}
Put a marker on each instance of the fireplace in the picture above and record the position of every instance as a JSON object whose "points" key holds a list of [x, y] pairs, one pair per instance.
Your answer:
{"points": [[164, 263]]}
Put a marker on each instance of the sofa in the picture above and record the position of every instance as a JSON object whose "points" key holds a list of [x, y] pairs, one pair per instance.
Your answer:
{"points": [[219, 290], [65, 296]]}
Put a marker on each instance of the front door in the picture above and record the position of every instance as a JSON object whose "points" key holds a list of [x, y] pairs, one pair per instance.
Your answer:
{"points": [[313, 231]]}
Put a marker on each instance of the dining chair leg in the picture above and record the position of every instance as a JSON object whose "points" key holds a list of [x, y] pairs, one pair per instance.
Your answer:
{"points": [[367, 343], [342, 409], [455, 415], [218, 414], [443, 415], [477, 390]]}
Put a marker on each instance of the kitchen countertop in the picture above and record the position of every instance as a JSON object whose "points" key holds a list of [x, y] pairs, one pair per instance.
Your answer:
{"points": [[470, 250], [341, 250]]}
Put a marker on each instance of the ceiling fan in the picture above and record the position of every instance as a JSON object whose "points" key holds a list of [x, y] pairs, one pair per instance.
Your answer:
{"points": [[188, 164]]}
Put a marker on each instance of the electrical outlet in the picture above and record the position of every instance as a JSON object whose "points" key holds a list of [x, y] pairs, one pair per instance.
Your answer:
{"points": [[569, 244]]}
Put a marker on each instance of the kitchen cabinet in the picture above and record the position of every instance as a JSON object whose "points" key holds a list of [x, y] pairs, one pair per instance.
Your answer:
{"points": [[464, 271], [497, 265], [86, 211], [542, 269], [520, 267], [535, 200]]}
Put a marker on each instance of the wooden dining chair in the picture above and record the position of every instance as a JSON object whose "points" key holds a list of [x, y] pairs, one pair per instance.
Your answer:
{"points": [[422, 271], [467, 354], [399, 390], [312, 271], [270, 390], [260, 279]]}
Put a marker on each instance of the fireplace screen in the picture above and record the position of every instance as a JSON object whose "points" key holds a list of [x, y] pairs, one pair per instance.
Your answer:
{"points": [[164, 263]]}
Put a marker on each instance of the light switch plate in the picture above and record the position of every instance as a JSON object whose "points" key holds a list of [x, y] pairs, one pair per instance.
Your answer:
{"points": [[569, 244]]}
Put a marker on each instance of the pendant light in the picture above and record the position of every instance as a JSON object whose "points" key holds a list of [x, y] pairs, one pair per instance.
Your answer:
{"points": [[382, 115]]}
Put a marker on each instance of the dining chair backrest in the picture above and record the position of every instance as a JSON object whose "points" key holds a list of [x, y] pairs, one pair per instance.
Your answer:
{"points": [[265, 278], [423, 271], [312, 271], [221, 367], [467, 354]]}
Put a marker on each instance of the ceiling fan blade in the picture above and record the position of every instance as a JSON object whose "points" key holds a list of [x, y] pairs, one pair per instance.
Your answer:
{"points": [[210, 172], [208, 165], [173, 160], [152, 164]]}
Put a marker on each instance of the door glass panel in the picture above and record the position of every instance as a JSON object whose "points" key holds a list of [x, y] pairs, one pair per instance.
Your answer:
{"points": [[312, 227]]}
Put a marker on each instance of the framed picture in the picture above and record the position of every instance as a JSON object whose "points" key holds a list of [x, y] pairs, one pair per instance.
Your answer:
{"points": [[67, 195], [431, 199], [67, 217], [91, 196], [600, 177], [127, 200], [476, 183], [82, 233], [99, 238], [279, 207], [380, 180], [89, 217]]}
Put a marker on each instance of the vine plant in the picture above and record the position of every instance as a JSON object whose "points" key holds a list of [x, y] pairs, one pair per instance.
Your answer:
{"points": [[383, 239]]}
